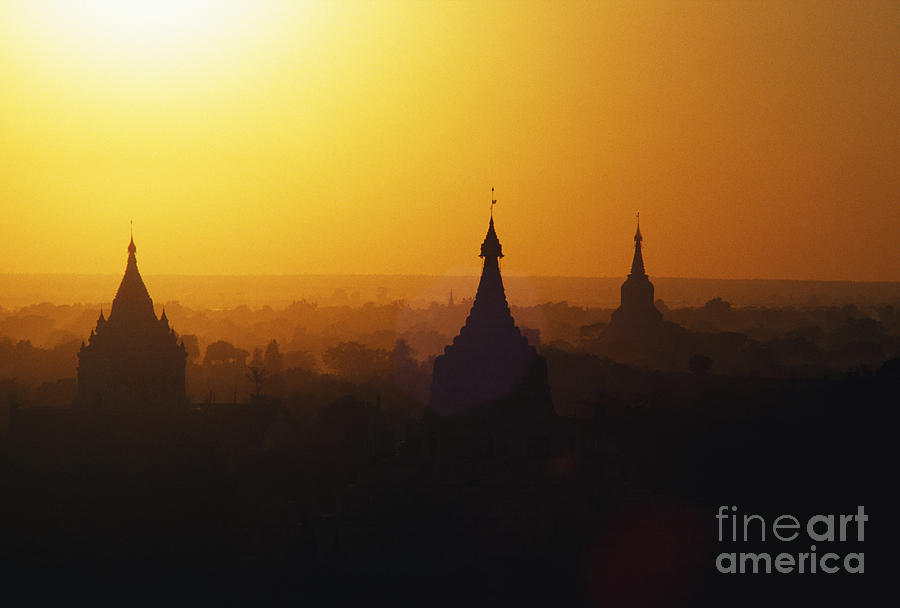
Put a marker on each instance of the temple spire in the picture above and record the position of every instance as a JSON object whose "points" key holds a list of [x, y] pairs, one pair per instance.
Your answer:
{"points": [[637, 310], [491, 250], [637, 264], [132, 298]]}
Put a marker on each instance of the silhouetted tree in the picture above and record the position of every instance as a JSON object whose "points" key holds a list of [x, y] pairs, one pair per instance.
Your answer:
{"points": [[717, 306], [257, 375], [257, 359], [224, 352], [192, 346], [352, 359], [299, 359], [273, 360]]}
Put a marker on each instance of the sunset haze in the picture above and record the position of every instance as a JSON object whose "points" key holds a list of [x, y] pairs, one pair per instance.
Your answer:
{"points": [[757, 140]]}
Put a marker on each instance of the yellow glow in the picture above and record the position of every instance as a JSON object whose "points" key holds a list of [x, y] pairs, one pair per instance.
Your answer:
{"points": [[756, 139], [148, 25], [129, 34]]}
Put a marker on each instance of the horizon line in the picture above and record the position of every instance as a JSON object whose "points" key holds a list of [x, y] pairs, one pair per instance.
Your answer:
{"points": [[435, 276]]}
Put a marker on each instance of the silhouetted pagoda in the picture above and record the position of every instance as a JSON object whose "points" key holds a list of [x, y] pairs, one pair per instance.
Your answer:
{"points": [[490, 360], [132, 360], [636, 310]]}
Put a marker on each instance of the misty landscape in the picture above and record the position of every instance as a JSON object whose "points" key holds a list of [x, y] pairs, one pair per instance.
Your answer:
{"points": [[774, 329], [306, 453], [467, 303]]}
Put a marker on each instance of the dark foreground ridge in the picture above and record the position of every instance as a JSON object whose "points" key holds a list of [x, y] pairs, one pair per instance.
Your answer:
{"points": [[251, 503]]}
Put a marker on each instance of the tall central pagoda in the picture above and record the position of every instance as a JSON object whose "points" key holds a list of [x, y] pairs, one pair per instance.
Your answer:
{"points": [[490, 360]]}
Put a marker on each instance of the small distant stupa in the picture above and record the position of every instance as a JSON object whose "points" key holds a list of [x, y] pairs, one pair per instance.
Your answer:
{"points": [[132, 360], [636, 310], [490, 360]]}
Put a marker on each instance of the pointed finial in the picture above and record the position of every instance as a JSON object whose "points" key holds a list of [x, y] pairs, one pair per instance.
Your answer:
{"points": [[131, 246], [637, 264], [493, 202]]}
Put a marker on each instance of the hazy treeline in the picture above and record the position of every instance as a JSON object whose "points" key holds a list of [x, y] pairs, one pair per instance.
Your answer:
{"points": [[307, 343], [278, 291]]}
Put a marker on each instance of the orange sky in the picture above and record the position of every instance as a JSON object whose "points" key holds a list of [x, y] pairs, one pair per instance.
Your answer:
{"points": [[757, 139]]}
